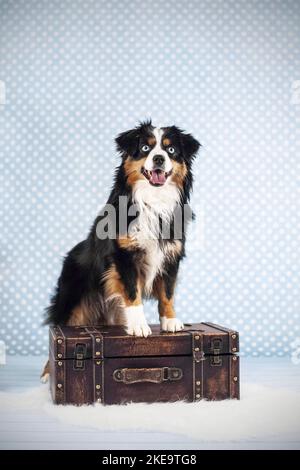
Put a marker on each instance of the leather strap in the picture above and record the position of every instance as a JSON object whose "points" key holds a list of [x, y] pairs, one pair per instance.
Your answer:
{"points": [[97, 342], [60, 343], [197, 358], [60, 366], [98, 364], [234, 376], [154, 375]]}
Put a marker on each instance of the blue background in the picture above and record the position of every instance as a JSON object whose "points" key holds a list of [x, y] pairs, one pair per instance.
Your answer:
{"points": [[77, 73]]}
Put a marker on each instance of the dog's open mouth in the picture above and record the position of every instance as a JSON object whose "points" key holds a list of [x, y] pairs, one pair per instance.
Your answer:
{"points": [[156, 177]]}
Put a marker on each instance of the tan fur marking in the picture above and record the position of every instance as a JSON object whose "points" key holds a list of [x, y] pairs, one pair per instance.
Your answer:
{"points": [[80, 315], [46, 370], [151, 141], [166, 142], [174, 249], [133, 170], [127, 243], [179, 173], [113, 286], [165, 305]]}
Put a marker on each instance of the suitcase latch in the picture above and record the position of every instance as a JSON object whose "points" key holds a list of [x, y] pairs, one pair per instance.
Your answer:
{"points": [[216, 360], [80, 355], [216, 346]]}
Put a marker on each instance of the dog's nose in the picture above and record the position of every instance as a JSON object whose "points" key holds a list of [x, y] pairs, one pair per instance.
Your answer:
{"points": [[159, 160]]}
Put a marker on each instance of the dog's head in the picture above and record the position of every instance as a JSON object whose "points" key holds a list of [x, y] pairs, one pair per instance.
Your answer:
{"points": [[157, 156]]}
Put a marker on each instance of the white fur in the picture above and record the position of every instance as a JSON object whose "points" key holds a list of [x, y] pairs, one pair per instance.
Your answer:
{"points": [[171, 324], [135, 321], [269, 414], [152, 202], [158, 150], [162, 200], [153, 263]]}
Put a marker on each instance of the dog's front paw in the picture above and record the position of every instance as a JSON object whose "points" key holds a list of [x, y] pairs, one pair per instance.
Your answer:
{"points": [[171, 324], [135, 322], [139, 329]]}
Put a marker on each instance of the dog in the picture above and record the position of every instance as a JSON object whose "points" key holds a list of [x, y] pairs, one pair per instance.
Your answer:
{"points": [[133, 249]]}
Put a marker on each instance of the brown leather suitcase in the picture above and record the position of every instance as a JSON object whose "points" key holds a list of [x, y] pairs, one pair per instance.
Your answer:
{"points": [[103, 364]]}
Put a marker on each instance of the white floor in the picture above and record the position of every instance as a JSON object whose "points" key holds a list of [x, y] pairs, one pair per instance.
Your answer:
{"points": [[40, 431]]}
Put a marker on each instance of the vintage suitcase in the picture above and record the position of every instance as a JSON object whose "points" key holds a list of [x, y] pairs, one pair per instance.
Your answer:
{"points": [[103, 364]]}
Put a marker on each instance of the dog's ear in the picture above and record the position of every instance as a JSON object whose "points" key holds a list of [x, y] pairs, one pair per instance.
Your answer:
{"points": [[190, 146], [128, 141]]}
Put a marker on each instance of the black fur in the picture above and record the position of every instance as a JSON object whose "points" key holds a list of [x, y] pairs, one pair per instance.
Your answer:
{"points": [[84, 266]]}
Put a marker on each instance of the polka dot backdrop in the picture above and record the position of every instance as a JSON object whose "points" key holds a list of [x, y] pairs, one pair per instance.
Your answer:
{"points": [[78, 72]]}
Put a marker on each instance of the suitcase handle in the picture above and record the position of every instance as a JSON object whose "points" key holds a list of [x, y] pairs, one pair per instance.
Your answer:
{"points": [[155, 375]]}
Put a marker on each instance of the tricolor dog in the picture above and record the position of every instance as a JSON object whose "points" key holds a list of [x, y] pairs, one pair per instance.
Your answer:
{"points": [[135, 245]]}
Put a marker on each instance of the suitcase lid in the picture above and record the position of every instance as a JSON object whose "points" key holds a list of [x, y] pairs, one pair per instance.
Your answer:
{"points": [[83, 342]]}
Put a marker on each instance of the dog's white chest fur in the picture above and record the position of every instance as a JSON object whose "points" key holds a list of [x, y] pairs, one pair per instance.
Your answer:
{"points": [[152, 202], [153, 263]]}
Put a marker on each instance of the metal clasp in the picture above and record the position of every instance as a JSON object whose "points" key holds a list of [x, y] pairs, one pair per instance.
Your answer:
{"points": [[216, 361], [216, 346], [171, 373], [80, 355], [198, 355]]}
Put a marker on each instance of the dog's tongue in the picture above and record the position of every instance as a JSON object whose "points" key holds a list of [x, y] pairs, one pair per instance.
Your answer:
{"points": [[158, 177]]}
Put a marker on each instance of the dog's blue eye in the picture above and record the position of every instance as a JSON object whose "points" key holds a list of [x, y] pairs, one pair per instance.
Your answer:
{"points": [[145, 148], [171, 150]]}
